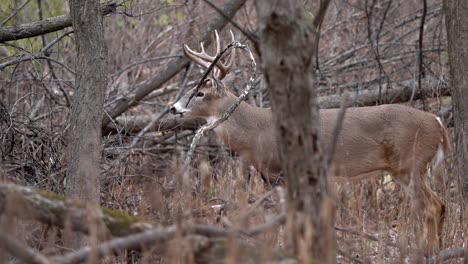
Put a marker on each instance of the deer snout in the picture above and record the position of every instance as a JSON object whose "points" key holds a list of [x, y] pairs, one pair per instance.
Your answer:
{"points": [[173, 110], [178, 108]]}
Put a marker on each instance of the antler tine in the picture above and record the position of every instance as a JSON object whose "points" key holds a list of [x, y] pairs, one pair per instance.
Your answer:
{"points": [[225, 67], [195, 57], [218, 44], [202, 48], [232, 56]]}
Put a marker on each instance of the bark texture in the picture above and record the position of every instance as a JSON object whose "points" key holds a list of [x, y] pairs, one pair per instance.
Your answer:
{"points": [[456, 20], [84, 142], [287, 37]]}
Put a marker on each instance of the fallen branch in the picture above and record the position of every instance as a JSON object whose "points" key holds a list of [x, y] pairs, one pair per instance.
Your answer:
{"points": [[162, 235], [136, 241], [137, 123], [398, 92]]}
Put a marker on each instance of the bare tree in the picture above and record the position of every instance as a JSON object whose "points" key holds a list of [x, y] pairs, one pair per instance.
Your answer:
{"points": [[456, 20], [287, 35], [84, 145]]}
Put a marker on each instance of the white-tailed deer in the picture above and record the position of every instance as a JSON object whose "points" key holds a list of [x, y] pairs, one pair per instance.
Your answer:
{"points": [[395, 138]]}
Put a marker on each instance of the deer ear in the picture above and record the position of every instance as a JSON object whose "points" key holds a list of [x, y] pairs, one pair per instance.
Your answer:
{"points": [[229, 80], [218, 85]]}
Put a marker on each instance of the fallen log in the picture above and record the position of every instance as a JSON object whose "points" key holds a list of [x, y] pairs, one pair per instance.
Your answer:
{"points": [[137, 123], [398, 92], [53, 209]]}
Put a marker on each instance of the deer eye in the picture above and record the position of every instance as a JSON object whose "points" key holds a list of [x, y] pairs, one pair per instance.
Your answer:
{"points": [[200, 94]]}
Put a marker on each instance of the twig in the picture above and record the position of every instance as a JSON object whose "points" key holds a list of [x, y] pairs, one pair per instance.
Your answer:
{"points": [[14, 13], [348, 256], [337, 129], [250, 210], [187, 73], [375, 46], [40, 55], [20, 250], [262, 228], [421, 37], [249, 35], [47, 53], [126, 68], [317, 43], [321, 13], [365, 235]]}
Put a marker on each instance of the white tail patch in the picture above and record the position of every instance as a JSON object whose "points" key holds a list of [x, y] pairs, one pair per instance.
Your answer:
{"points": [[440, 121], [439, 155], [440, 149]]}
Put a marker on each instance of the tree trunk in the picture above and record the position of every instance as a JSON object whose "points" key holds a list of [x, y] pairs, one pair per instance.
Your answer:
{"points": [[84, 142], [456, 20], [287, 36]]}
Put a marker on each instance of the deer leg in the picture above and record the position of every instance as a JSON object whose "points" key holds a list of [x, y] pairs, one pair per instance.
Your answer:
{"points": [[432, 212], [434, 216], [428, 207]]}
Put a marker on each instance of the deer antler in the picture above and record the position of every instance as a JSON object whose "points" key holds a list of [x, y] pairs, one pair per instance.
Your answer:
{"points": [[204, 60]]}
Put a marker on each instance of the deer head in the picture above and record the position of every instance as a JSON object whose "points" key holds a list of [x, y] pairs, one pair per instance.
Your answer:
{"points": [[206, 100]]}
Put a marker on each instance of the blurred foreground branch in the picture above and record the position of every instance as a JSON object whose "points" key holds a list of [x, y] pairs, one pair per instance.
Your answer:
{"points": [[53, 209], [20, 250]]}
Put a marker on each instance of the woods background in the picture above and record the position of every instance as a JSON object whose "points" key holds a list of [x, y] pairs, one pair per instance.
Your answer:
{"points": [[55, 137]]}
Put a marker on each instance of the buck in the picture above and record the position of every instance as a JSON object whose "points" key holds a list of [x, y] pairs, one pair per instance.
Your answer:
{"points": [[398, 139]]}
